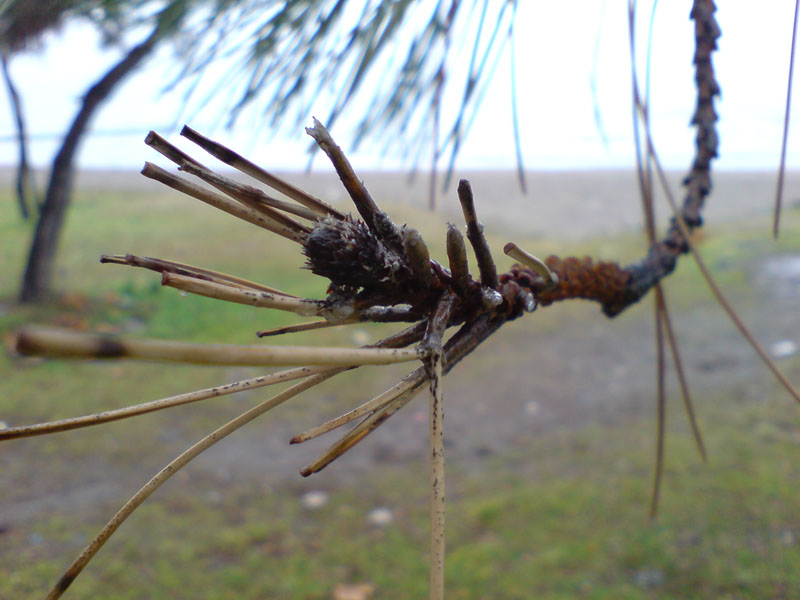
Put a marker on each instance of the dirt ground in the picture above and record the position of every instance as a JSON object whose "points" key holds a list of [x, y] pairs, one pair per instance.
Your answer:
{"points": [[533, 378]]}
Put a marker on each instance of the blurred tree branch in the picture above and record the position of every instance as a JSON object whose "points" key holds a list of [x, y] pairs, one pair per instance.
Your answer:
{"points": [[25, 186], [37, 279]]}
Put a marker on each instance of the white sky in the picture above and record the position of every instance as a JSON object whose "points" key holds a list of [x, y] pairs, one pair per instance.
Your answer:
{"points": [[555, 57]]}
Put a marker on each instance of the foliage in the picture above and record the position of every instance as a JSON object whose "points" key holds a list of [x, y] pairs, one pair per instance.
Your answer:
{"points": [[284, 54], [389, 60], [23, 23]]}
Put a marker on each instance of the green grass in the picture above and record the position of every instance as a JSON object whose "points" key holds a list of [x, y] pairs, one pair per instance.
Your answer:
{"points": [[561, 516]]}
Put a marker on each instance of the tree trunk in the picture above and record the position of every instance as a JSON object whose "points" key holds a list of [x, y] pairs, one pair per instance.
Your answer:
{"points": [[37, 280], [26, 191]]}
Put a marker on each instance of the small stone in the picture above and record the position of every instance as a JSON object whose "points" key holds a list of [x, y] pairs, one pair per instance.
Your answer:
{"points": [[380, 517], [314, 500], [649, 578], [783, 349], [134, 325], [359, 337], [531, 408], [788, 538], [353, 591], [3, 425], [483, 451]]}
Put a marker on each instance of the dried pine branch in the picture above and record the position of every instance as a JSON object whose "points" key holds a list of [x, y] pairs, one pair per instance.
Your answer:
{"points": [[168, 266], [369, 407], [437, 324], [381, 272], [640, 109], [310, 326], [475, 236], [399, 340], [616, 287], [108, 416], [56, 342], [251, 297], [246, 213], [678, 363], [254, 198], [173, 467], [661, 405]]}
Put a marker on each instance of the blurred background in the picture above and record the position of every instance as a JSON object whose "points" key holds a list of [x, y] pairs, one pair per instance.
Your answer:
{"points": [[549, 426]]}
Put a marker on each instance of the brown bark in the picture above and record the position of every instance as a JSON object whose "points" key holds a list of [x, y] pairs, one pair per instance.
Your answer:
{"points": [[26, 192], [38, 277]]}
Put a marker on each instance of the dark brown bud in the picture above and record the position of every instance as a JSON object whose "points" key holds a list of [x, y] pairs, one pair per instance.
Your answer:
{"points": [[457, 255], [419, 258]]}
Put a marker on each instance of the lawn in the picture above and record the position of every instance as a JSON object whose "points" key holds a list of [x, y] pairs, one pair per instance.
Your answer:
{"points": [[549, 456]]}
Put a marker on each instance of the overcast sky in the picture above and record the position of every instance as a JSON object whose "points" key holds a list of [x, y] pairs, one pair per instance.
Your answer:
{"points": [[556, 62]]}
